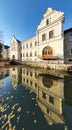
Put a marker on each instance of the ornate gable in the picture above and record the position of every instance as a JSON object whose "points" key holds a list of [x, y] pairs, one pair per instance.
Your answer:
{"points": [[50, 17]]}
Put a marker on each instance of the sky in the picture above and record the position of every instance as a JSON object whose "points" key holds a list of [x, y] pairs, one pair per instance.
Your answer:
{"points": [[22, 17]]}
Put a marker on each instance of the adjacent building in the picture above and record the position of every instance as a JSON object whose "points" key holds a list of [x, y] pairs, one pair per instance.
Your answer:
{"points": [[5, 52], [68, 46], [15, 49]]}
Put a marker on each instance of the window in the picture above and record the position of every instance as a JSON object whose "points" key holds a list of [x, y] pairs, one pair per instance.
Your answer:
{"points": [[26, 54], [45, 52], [26, 45], [23, 71], [30, 44], [51, 34], [23, 54], [30, 82], [30, 73], [43, 37], [13, 69], [70, 60], [27, 80], [36, 75], [47, 21], [30, 53], [44, 95], [26, 72], [70, 38], [35, 53], [35, 43], [49, 52], [24, 79], [71, 51], [51, 99], [14, 48], [35, 85], [48, 111]]}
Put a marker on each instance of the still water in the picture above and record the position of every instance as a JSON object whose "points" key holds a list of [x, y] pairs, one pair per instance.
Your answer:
{"points": [[35, 100]]}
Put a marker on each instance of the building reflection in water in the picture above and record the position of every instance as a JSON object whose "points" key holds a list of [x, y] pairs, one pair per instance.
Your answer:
{"points": [[30, 79], [50, 98], [50, 94], [16, 76]]}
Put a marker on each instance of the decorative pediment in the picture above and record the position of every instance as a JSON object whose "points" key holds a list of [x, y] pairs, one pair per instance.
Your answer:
{"points": [[48, 12], [52, 16]]}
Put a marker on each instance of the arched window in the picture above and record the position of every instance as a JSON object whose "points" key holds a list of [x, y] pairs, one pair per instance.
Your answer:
{"points": [[47, 52], [47, 21]]}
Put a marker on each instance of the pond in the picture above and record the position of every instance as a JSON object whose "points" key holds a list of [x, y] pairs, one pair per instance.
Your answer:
{"points": [[35, 100]]}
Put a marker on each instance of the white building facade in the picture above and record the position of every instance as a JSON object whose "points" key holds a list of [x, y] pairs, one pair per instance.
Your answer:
{"points": [[48, 43], [30, 49]]}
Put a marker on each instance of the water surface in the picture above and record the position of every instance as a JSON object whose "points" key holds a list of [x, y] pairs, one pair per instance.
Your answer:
{"points": [[35, 100]]}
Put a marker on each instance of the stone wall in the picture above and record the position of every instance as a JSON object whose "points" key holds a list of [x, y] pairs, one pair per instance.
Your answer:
{"points": [[59, 67]]}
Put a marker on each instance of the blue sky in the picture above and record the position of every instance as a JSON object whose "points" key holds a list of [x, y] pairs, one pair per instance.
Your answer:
{"points": [[21, 17]]}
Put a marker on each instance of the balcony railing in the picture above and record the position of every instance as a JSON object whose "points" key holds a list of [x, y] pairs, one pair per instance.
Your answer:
{"points": [[48, 57]]}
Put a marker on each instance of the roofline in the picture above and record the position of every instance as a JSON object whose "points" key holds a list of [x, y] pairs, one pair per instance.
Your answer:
{"points": [[67, 30], [29, 39], [6, 46]]}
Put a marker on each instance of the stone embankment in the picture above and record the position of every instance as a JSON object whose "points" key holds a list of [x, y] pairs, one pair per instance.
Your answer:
{"points": [[58, 67], [9, 63], [4, 63], [43, 64]]}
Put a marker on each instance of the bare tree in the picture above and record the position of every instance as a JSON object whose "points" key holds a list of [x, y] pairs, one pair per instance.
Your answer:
{"points": [[1, 43]]}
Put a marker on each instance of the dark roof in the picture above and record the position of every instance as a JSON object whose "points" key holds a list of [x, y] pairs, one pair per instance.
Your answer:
{"points": [[6, 47], [67, 30], [18, 41]]}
